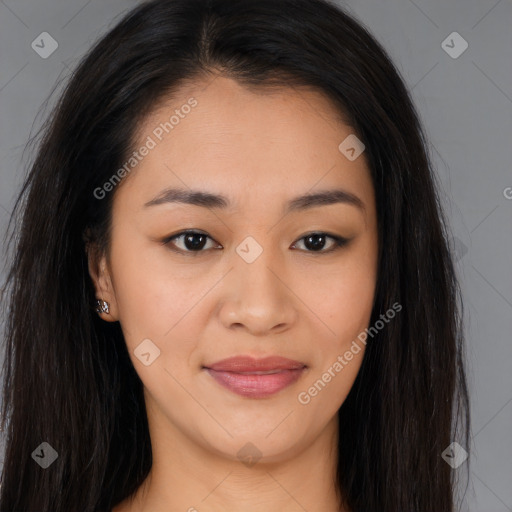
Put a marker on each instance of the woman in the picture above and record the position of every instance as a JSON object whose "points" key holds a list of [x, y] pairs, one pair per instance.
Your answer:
{"points": [[232, 288]]}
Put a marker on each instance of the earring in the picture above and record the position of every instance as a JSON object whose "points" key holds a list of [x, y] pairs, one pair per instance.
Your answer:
{"points": [[102, 306]]}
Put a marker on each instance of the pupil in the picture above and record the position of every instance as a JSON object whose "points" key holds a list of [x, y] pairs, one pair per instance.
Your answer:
{"points": [[192, 245], [318, 243], [314, 242]]}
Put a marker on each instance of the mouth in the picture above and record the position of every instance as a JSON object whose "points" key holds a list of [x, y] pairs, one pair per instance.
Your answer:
{"points": [[256, 378]]}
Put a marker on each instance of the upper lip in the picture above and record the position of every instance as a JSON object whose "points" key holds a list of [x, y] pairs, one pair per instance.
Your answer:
{"points": [[243, 364]]}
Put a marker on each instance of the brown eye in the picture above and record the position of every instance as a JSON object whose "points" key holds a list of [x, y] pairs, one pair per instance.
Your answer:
{"points": [[188, 241], [316, 242], [195, 242]]}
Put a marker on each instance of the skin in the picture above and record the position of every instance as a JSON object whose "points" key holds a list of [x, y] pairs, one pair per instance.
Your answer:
{"points": [[259, 149]]}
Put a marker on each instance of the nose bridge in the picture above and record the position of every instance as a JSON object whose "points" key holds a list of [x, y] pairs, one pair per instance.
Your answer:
{"points": [[256, 268], [258, 299], [261, 277]]}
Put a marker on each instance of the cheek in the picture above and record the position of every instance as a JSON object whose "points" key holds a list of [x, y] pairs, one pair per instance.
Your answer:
{"points": [[332, 375], [155, 301], [342, 299], [352, 292]]}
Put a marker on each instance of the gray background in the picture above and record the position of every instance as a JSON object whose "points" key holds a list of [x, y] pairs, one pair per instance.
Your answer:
{"points": [[466, 107]]}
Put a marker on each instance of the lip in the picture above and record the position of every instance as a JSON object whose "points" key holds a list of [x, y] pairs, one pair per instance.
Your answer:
{"points": [[256, 378]]}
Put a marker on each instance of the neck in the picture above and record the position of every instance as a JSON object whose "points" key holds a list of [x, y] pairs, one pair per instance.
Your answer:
{"points": [[186, 476]]}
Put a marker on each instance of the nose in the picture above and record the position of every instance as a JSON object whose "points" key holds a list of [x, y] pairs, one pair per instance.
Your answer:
{"points": [[258, 299]]}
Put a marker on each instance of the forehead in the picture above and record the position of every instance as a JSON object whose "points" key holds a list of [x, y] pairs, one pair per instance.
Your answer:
{"points": [[242, 141]]}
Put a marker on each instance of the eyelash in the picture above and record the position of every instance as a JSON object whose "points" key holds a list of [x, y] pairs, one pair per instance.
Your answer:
{"points": [[339, 242]]}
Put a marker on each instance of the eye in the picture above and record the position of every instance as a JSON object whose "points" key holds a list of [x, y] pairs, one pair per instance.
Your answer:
{"points": [[190, 241], [195, 241], [315, 242]]}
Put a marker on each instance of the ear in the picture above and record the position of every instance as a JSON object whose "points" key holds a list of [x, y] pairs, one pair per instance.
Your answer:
{"points": [[101, 276]]}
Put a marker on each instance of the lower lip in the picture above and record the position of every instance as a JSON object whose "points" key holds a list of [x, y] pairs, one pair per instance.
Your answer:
{"points": [[256, 386]]}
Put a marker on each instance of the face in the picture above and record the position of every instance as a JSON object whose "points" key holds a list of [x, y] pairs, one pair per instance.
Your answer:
{"points": [[238, 328]]}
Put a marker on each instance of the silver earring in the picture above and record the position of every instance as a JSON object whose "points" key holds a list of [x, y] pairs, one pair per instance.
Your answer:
{"points": [[102, 306]]}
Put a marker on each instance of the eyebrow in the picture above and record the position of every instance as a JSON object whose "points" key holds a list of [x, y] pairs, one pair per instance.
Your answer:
{"points": [[300, 203]]}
